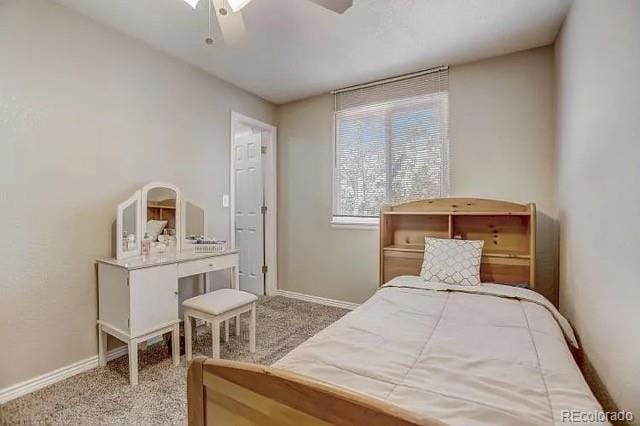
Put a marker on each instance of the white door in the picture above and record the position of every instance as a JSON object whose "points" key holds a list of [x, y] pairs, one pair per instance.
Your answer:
{"points": [[248, 210]]}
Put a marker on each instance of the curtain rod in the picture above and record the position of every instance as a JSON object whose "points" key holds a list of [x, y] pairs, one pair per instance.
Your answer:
{"points": [[389, 80]]}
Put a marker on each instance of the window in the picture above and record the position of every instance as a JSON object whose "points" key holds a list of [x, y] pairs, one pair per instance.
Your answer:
{"points": [[391, 145]]}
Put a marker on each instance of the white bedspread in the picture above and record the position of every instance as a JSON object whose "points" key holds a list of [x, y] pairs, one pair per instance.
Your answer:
{"points": [[490, 354]]}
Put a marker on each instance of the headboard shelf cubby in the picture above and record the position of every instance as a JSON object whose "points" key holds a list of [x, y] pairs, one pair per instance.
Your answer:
{"points": [[508, 230]]}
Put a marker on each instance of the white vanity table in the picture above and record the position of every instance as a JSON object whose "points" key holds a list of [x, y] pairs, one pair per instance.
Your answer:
{"points": [[138, 297], [138, 294]]}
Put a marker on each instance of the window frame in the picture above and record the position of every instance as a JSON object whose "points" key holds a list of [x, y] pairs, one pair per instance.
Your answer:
{"points": [[371, 222]]}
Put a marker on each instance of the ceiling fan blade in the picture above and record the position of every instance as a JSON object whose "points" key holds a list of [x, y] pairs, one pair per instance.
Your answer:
{"points": [[231, 23], [236, 5], [338, 6]]}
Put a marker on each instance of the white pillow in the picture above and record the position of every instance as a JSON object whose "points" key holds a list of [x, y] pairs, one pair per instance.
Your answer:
{"points": [[452, 261], [154, 228]]}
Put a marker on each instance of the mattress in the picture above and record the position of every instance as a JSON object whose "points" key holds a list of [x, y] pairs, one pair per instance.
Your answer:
{"points": [[489, 354]]}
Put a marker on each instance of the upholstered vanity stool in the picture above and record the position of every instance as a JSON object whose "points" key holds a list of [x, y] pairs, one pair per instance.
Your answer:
{"points": [[216, 307]]}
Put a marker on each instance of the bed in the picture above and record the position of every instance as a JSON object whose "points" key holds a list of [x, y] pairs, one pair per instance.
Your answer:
{"points": [[418, 352]]}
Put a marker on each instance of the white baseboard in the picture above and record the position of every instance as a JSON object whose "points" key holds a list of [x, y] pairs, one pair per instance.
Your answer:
{"points": [[317, 299], [31, 385], [19, 389], [117, 352]]}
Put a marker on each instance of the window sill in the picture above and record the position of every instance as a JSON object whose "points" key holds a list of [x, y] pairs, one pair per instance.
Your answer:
{"points": [[362, 223]]}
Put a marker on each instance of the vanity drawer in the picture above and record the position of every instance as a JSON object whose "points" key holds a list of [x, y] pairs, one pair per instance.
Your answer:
{"points": [[195, 267]]}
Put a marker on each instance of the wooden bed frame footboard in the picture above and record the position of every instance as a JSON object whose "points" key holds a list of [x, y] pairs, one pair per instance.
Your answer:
{"points": [[221, 392]]}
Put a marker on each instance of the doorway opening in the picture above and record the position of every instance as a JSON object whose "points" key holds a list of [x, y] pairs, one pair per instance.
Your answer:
{"points": [[253, 202]]}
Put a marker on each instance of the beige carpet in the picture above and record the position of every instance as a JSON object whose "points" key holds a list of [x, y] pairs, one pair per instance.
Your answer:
{"points": [[103, 395]]}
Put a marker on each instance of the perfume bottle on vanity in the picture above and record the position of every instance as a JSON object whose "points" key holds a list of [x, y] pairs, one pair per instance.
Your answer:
{"points": [[131, 244], [146, 245]]}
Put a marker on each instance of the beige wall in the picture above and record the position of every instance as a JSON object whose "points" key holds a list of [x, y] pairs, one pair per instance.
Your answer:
{"points": [[502, 123], [313, 257], [502, 146], [598, 69], [87, 116]]}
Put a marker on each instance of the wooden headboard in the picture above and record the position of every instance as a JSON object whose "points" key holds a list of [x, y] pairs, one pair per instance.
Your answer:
{"points": [[508, 231]]}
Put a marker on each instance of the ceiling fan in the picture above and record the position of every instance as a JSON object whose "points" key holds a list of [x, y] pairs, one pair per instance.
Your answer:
{"points": [[229, 16]]}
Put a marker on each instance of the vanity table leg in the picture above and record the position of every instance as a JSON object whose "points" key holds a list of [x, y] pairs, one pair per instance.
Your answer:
{"points": [[226, 330], [238, 325], [175, 349], [235, 277], [207, 283], [133, 362], [102, 347]]}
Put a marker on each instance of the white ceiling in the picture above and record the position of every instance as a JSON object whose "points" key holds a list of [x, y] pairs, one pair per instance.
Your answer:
{"points": [[296, 49]]}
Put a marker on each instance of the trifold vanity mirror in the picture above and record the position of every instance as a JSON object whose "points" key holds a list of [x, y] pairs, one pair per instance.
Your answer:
{"points": [[128, 227], [155, 219]]}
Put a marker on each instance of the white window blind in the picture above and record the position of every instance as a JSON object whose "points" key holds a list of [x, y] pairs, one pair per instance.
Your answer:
{"points": [[391, 144]]}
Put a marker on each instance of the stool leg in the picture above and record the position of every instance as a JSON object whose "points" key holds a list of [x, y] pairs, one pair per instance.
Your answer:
{"points": [[226, 330], [252, 328], [215, 339], [187, 337], [237, 325], [133, 362], [175, 347]]}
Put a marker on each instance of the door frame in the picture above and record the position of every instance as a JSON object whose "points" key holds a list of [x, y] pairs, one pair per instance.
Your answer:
{"points": [[270, 194]]}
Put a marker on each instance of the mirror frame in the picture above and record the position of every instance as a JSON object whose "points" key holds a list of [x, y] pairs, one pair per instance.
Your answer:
{"points": [[186, 242], [120, 254], [145, 192]]}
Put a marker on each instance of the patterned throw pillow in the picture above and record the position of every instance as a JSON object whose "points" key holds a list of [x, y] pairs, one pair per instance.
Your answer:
{"points": [[452, 261]]}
